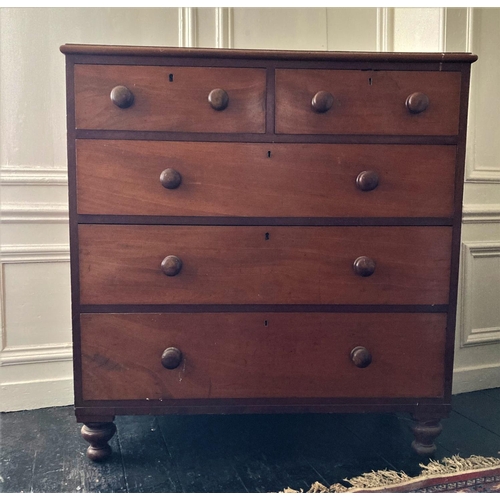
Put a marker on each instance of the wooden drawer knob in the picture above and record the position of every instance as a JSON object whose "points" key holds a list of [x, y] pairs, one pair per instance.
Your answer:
{"points": [[417, 102], [122, 97], [171, 358], [367, 180], [170, 178], [171, 265], [218, 99], [361, 356], [364, 266], [322, 101]]}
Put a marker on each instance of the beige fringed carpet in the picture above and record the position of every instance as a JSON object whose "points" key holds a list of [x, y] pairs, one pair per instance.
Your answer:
{"points": [[451, 475]]}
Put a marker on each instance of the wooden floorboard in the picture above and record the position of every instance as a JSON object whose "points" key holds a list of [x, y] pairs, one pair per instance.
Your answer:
{"points": [[197, 452], [465, 437], [42, 451], [328, 446], [50, 440], [19, 446], [493, 393], [390, 435], [61, 463], [147, 463], [486, 414], [269, 456]]}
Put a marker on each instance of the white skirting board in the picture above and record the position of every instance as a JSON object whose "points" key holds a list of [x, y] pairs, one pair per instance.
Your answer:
{"points": [[33, 394], [476, 378]]}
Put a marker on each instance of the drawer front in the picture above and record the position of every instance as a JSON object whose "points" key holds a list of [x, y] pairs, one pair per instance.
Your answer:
{"points": [[264, 180], [366, 102], [256, 355], [180, 105], [263, 265]]}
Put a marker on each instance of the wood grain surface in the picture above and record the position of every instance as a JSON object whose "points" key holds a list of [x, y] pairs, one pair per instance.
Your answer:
{"points": [[170, 98], [266, 180], [296, 55], [255, 355], [263, 265], [367, 102], [261, 206]]}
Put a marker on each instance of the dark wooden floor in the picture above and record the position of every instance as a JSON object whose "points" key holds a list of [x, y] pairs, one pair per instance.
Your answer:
{"points": [[41, 450]]}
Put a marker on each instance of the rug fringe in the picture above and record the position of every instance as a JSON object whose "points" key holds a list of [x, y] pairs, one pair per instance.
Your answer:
{"points": [[458, 464], [381, 478], [378, 478], [317, 487]]}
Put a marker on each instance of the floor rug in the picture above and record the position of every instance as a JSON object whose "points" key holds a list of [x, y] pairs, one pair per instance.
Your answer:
{"points": [[451, 475]]}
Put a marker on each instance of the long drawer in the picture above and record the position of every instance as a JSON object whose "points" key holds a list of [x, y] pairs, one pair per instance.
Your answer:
{"points": [[177, 99], [367, 102], [263, 265], [264, 180], [256, 355]]}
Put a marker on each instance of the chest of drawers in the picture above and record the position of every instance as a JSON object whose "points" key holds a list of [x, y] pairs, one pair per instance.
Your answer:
{"points": [[259, 231]]}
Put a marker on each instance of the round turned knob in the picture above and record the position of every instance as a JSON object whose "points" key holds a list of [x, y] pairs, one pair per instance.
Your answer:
{"points": [[171, 265], [364, 266], [218, 99], [170, 178], [361, 356], [417, 102], [122, 97], [322, 101], [367, 180], [171, 358]]}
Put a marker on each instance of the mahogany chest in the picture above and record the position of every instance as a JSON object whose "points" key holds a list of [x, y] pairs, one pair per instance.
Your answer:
{"points": [[262, 231]]}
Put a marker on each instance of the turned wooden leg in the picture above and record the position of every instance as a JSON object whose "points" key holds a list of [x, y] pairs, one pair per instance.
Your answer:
{"points": [[98, 434], [425, 430]]}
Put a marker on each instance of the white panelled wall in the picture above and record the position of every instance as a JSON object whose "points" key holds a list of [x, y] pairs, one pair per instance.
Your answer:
{"points": [[477, 352], [35, 357]]}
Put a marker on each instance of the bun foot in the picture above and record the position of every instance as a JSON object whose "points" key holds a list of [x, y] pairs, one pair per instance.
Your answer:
{"points": [[98, 435], [425, 430]]}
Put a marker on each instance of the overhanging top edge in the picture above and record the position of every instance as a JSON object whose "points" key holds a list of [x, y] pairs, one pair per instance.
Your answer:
{"points": [[124, 50]]}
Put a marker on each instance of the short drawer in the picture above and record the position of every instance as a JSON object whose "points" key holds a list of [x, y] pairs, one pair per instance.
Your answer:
{"points": [[264, 180], [367, 102], [257, 355], [263, 265], [177, 99]]}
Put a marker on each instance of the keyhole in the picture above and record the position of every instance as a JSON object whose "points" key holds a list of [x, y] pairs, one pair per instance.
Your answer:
{"points": [[171, 77], [267, 236], [266, 323], [269, 154], [369, 81]]}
